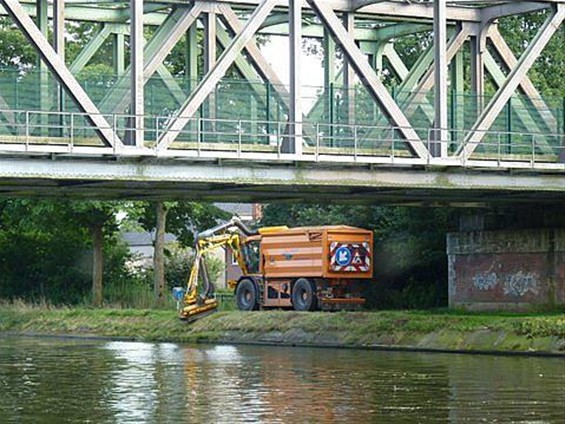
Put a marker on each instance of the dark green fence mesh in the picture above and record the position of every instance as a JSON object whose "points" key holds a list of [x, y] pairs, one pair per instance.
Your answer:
{"points": [[253, 113]]}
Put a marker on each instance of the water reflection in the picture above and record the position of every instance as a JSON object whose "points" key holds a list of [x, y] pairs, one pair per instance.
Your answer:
{"points": [[54, 380]]}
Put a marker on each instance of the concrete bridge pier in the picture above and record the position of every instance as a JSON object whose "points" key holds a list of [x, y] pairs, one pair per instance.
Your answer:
{"points": [[512, 260]]}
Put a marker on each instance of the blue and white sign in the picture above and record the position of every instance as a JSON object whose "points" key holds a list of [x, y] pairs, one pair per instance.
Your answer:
{"points": [[343, 256]]}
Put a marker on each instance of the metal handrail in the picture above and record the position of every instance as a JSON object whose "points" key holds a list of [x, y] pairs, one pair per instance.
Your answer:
{"points": [[347, 140]]}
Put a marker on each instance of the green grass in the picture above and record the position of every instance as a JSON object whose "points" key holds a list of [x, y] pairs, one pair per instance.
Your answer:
{"points": [[427, 329]]}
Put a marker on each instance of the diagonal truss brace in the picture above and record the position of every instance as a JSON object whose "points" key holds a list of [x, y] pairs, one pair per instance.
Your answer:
{"points": [[416, 98], [512, 82], [370, 79], [90, 49], [261, 64], [61, 72], [208, 83], [524, 116], [256, 57], [155, 52], [507, 56]]}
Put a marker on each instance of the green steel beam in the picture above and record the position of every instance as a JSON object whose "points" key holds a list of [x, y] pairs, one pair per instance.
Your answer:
{"points": [[90, 49], [119, 54], [42, 23], [457, 90], [191, 56], [517, 104]]}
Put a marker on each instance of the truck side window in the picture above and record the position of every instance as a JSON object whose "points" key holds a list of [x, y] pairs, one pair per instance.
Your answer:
{"points": [[251, 253]]}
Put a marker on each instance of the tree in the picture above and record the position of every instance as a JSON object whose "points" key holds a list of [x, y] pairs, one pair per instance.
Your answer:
{"points": [[183, 219], [96, 216], [44, 247]]}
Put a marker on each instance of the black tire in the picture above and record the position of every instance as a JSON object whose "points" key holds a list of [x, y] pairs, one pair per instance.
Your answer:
{"points": [[304, 295], [247, 296]]}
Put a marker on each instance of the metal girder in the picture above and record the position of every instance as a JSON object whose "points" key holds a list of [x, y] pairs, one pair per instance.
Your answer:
{"points": [[210, 56], [119, 54], [507, 56], [517, 103], [294, 144], [440, 74], [90, 49], [517, 74], [171, 83], [191, 55], [491, 13], [349, 70], [261, 64], [427, 81], [369, 77], [398, 30], [61, 72], [156, 50], [137, 79], [477, 72], [404, 74], [213, 77]]}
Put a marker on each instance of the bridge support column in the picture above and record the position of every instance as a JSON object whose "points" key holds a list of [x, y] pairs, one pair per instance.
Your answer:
{"points": [[515, 269]]}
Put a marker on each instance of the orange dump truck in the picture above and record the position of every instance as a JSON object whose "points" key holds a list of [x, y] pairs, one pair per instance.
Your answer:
{"points": [[305, 268]]}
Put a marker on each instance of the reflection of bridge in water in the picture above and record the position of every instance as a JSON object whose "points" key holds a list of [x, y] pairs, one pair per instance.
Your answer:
{"points": [[381, 127]]}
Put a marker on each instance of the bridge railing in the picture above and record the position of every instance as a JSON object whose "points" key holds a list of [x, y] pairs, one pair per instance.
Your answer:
{"points": [[28, 131]]}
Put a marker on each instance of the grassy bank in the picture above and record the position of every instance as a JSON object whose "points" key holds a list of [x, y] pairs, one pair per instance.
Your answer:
{"points": [[415, 329]]}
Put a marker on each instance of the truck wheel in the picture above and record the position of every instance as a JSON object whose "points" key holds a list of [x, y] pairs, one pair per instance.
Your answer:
{"points": [[246, 296], [304, 295]]}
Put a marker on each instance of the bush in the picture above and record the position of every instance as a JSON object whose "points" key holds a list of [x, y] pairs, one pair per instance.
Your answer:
{"points": [[178, 262]]}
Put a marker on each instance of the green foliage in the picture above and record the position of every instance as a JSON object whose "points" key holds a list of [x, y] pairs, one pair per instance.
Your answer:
{"points": [[183, 218], [178, 262], [547, 71], [46, 249]]}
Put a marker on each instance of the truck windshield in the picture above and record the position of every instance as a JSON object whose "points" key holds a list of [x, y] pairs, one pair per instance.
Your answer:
{"points": [[251, 253]]}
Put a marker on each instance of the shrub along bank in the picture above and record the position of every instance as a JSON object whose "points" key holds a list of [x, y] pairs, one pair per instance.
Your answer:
{"points": [[386, 329]]}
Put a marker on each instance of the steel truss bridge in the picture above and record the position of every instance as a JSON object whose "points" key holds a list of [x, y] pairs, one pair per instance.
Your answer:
{"points": [[226, 127]]}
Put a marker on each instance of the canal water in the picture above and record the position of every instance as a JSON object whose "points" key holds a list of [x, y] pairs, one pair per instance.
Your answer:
{"points": [[49, 380]]}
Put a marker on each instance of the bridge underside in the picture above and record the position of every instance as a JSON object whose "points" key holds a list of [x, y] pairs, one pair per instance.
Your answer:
{"points": [[199, 105], [239, 181]]}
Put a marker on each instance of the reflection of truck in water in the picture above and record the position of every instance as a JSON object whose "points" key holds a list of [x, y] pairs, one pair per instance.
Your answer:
{"points": [[304, 268]]}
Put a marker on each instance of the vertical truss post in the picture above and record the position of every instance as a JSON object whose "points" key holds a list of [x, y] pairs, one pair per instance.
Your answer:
{"points": [[477, 73], [439, 147], [119, 54], [191, 56], [137, 79], [329, 59], [43, 92], [329, 73], [349, 72], [377, 56], [457, 89], [210, 56], [517, 74], [156, 50], [295, 42], [59, 46], [367, 74]]}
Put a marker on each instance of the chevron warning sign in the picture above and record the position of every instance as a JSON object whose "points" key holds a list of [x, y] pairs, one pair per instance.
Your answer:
{"points": [[350, 257]]}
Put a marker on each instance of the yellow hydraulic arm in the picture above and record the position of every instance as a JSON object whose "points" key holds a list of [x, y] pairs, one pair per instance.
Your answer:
{"points": [[199, 299]]}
